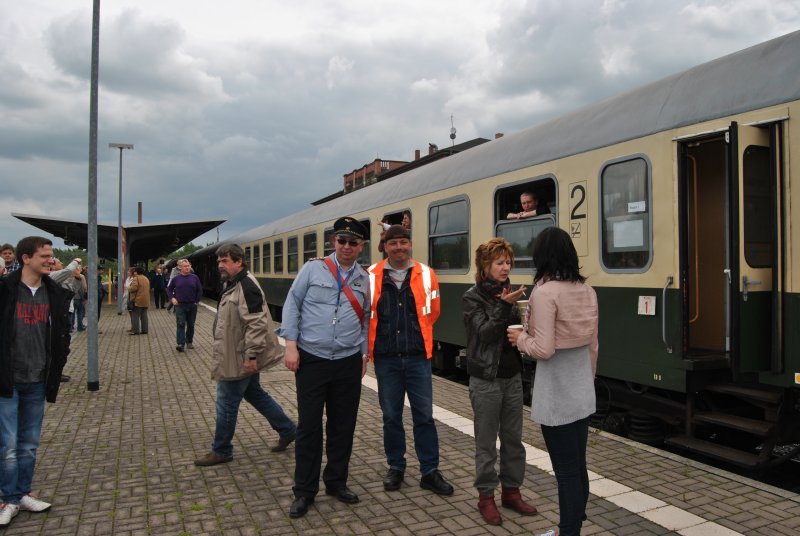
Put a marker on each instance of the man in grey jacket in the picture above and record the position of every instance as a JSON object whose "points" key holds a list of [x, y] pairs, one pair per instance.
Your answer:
{"points": [[244, 344]]}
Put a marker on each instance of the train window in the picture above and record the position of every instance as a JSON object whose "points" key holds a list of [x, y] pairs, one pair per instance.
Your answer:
{"points": [[538, 196], [756, 206], [309, 246], [291, 254], [626, 215], [328, 246], [247, 257], [365, 259], [279, 256], [256, 259], [267, 257], [521, 235], [448, 241]]}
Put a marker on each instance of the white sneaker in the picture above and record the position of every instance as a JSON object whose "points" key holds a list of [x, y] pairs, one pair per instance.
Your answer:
{"points": [[7, 513], [32, 504], [551, 532]]}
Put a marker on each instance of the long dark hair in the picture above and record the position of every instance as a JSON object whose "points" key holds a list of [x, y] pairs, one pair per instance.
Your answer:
{"points": [[554, 256]]}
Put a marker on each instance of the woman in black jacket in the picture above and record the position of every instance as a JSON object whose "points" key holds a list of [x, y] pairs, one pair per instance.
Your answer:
{"points": [[495, 384]]}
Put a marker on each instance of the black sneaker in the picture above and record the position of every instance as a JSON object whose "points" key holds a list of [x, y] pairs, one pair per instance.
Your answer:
{"points": [[179, 348], [436, 483]]}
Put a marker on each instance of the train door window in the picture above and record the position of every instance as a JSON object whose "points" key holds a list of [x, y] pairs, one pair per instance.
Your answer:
{"points": [[757, 207], [279, 256], [625, 201], [528, 199], [328, 247], [256, 258], [309, 246], [448, 240], [291, 254], [267, 257]]}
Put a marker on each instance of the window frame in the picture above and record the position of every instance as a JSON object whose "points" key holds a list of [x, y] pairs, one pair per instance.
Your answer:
{"points": [[266, 257], [467, 232], [256, 266], [601, 227], [289, 255], [306, 251], [278, 256]]}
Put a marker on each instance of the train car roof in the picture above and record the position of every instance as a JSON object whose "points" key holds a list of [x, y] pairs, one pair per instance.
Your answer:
{"points": [[763, 75]]}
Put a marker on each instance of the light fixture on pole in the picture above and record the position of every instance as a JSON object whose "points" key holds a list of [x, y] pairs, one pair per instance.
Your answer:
{"points": [[120, 253]]}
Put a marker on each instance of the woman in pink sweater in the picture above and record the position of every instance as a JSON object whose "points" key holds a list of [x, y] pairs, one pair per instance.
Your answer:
{"points": [[562, 337]]}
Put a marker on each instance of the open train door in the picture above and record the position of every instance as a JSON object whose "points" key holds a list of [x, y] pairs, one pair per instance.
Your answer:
{"points": [[754, 245]]}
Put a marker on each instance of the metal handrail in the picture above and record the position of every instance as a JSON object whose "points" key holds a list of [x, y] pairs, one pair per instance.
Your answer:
{"points": [[664, 314]]}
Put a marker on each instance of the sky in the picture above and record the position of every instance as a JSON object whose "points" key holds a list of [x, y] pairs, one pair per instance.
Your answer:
{"points": [[248, 110]]}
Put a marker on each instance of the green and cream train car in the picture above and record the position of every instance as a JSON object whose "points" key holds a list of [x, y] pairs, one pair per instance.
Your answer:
{"points": [[679, 199]]}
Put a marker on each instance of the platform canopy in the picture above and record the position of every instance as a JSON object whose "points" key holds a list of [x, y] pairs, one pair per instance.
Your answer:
{"points": [[143, 242]]}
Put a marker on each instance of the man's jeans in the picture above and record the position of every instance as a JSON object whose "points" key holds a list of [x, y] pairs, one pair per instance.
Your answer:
{"points": [[566, 445], [185, 314], [20, 427], [229, 396], [398, 376]]}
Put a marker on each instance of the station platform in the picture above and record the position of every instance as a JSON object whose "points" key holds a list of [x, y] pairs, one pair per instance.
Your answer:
{"points": [[119, 461]]}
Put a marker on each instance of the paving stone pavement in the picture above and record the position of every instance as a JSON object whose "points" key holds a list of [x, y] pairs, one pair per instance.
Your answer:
{"points": [[119, 461]]}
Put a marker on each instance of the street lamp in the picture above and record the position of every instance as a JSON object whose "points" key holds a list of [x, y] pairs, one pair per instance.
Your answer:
{"points": [[120, 285]]}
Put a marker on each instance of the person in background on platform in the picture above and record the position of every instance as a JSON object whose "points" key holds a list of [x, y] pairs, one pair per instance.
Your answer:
{"points": [[159, 285], [139, 294], [405, 305], [530, 207], [185, 292], [7, 252], [126, 289], [2, 266], [325, 321], [562, 337], [34, 345], [244, 345], [495, 380]]}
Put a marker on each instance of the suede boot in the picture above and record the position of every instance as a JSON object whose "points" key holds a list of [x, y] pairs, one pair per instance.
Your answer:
{"points": [[489, 510], [511, 498]]}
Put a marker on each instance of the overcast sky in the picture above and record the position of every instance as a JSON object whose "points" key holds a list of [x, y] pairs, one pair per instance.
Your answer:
{"points": [[247, 110]]}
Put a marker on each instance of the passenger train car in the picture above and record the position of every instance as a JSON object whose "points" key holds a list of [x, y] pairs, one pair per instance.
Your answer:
{"points": [[680, 202]]}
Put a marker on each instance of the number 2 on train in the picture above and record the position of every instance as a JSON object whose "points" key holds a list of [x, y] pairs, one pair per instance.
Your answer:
{"points": [[578, 220]]}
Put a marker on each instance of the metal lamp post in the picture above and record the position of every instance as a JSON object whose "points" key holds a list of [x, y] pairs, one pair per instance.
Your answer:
{"points": [[120, 285]]}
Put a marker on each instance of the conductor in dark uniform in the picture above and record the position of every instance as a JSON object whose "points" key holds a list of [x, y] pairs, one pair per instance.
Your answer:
{"points": [[325, 323]]}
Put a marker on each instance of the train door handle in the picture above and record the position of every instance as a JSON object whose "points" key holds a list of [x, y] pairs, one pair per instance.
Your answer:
{"points": [[664, 314], [746, 283], [727, 272]]}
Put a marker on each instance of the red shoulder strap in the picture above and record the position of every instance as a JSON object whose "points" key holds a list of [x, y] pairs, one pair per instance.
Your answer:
{"points": [[347, 290]]}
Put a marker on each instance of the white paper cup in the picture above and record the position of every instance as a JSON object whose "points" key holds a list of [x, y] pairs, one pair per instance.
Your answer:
{"points": [[515, 327]]}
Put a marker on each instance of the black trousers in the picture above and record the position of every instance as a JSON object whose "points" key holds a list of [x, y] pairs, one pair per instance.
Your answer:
{"points": [[334, 386]]}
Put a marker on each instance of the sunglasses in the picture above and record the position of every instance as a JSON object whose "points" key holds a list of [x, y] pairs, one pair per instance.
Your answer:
{"points": [[353, 243]]}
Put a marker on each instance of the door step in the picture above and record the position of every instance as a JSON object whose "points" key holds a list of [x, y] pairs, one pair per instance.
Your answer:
{"points": [[719, 452], [744, 424], [706, 362], [759, 395]]}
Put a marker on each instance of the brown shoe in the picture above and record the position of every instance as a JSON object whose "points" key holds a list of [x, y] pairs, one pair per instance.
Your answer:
{"points": [[282, 443], [512, 498], [212, 459], [488, 510]]}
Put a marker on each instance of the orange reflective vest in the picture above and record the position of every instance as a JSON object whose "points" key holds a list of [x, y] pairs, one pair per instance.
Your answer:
{"points": [[425, 288]]}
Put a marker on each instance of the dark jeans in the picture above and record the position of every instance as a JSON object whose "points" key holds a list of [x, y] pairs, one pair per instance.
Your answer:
{"points": [[398, 376], [333, 386], [566, 445], [229, 395], [80, 312], [185, 315], [159, 297], [20, 428]]}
